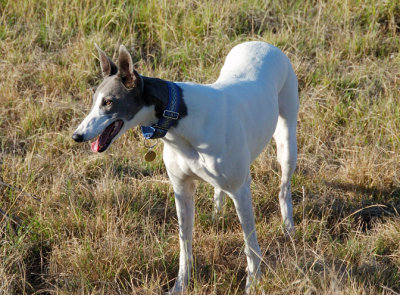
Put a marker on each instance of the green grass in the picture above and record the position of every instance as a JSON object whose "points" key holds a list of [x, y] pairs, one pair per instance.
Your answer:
{"points": [[107, 223]]}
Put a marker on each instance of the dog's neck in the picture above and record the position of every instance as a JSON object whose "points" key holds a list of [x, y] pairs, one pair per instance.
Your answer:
{"points": [[155, 92], [194, 110]]}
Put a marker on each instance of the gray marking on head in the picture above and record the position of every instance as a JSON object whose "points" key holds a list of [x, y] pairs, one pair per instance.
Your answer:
{"points": [[122, 95]]}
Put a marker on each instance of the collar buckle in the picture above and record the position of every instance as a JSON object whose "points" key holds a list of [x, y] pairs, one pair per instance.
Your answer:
{"points": [[171, 115]]}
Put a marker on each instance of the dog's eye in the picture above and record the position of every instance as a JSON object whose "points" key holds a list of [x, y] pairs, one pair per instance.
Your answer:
{"points": [[108, 102]]}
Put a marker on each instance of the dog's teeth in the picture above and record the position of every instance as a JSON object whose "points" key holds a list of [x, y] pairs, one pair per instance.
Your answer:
{"points": [[116, 124]]}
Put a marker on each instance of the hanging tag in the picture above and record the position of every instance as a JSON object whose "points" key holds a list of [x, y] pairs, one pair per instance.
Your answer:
{"points": [[150, 156]]}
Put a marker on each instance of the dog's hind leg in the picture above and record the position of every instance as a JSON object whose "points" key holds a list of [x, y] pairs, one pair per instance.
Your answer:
{"points": [[219, 202], [184, 191], [286, 145]]}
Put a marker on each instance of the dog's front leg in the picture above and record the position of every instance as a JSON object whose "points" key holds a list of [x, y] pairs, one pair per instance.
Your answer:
{"points": [[184, 191], [243, 204]]}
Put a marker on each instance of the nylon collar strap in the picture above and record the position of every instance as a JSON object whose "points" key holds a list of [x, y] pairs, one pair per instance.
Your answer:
{"points": [[169, 117]]}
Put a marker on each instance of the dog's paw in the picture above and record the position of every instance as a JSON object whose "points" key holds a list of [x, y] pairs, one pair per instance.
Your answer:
{"points": [[254, 291], [253, 285], [289, 231], [177, 289]]}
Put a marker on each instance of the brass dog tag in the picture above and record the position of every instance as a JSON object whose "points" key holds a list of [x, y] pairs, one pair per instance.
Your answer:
{"points": [[150, 156]]}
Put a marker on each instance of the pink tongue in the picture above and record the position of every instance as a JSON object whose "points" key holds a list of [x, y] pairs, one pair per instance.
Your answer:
{"points": [[95, 146]]}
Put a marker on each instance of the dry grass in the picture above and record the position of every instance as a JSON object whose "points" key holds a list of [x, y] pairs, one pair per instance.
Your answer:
{"points": [[106, 223]]}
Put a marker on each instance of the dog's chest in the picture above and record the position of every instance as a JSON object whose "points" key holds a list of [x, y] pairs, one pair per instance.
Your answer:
{"points": [[212, 169], [191, 163]]}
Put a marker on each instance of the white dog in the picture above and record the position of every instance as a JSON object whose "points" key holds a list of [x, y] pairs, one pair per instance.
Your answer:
{"points": [[210, 132]]}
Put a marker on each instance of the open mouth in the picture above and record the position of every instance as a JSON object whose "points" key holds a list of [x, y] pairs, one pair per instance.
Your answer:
{"points": [[105, 138]]}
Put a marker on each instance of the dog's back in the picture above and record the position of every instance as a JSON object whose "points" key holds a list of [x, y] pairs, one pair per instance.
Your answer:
{"points": [[255, 61]]}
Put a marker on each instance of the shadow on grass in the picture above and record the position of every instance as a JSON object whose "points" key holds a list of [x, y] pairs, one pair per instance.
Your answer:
{"points": [[374, 203]]}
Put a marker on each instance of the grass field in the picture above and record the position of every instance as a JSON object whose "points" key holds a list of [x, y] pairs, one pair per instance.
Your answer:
{"points": [[106, 224]]}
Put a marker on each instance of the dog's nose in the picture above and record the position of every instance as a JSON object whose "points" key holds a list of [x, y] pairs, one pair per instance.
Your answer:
{"points": [[77, 137]]}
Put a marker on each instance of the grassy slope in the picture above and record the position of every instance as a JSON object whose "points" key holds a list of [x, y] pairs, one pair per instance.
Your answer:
{"points": [[107, 225]]}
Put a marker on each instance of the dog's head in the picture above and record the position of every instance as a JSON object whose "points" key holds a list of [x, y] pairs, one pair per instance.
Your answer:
{"points": [[117, 102]]}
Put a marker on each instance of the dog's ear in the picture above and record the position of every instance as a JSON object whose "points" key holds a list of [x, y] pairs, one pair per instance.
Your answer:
{"points": [[108, 68], [130, 78]]}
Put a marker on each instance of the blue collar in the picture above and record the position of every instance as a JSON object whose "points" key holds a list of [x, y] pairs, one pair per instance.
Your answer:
{"points": [[169, 117]]}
